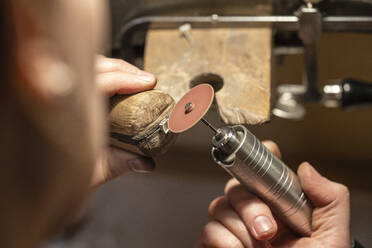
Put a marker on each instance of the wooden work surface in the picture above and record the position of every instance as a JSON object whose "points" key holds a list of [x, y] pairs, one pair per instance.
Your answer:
{"points": [[240, 57]]}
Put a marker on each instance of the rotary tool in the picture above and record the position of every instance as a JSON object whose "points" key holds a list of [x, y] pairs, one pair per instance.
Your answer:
{"points": [[245, 158]]}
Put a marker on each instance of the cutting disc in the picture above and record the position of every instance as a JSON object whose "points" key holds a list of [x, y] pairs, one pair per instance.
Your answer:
{"points": [[191, 108]]}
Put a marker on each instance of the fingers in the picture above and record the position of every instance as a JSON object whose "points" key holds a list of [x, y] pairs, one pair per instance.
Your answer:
{"points": [[118, 162], [104, 64], [216, 235], [273, 147], [319, 189], [255, 214], [221, 210], [119, 82], [244, 215], [116, 76], [331, 215], [240, 216]]}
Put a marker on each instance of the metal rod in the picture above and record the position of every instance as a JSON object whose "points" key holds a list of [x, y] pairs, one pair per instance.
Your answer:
{"points": [[209, 125], [290, 23], [329, 23]]}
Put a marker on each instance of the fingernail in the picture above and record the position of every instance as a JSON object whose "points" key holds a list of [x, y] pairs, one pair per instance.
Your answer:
{"points": [[262, 225], [141, 165], [147, 77]]}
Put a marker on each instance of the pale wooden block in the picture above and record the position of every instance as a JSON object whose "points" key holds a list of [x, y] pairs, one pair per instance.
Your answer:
{"points": [[241, 56]]}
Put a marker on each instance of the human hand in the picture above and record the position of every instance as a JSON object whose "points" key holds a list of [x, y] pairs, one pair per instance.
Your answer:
{"points": [[115, 76], [240, 219]]}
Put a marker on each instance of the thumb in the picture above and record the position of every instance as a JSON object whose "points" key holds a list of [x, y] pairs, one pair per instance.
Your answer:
{"points": [[116, 162], [319, 189], [331, 214], [115, 76]]}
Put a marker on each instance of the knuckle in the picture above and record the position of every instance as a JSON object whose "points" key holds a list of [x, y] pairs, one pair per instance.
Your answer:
{"points": [[209, 239], [244, 206], [230, 184], [232, 243], [114, 61], [128, 67], [240, 195], [207, 236], [215, 205], [342, 191], [121, 62]]}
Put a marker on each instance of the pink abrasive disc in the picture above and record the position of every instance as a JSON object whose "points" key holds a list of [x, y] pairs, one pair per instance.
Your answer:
{"points": [[191, 108]]}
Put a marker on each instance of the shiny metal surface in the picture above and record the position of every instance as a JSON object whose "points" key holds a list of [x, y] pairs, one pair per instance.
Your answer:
{"points": [[242, 155], [291, 97], [310, 31], [288, 105], [332, 94], [330, 24]]}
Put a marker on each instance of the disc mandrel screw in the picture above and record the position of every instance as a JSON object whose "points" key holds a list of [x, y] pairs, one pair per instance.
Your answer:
{"points": [[189, 107]]}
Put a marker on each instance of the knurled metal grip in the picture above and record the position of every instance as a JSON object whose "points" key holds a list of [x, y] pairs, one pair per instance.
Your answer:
{"points": [[242, 155]]}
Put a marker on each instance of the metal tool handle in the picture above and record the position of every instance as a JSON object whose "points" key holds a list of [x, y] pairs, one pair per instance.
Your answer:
{"points": [[355, 93], [241, 154], [347, 93]]}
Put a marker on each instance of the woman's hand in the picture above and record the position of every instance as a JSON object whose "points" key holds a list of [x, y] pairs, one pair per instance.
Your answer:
{"points": [[115, 76], [239, 219]]}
